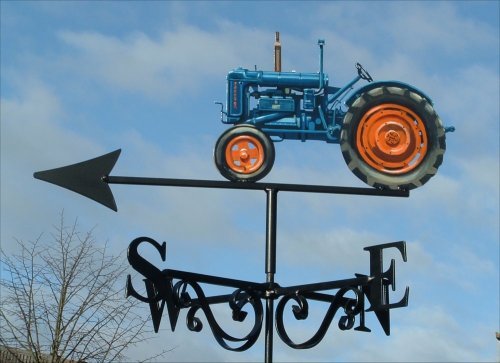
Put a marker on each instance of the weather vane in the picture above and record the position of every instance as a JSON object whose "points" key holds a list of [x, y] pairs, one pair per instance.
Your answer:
{"points": [[390, 137]]}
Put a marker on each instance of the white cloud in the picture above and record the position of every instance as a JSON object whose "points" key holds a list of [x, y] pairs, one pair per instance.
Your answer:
{"points": [[428, 333], [34, 137], [35, 125], [177, 62], [409, 27], [329, 249]]}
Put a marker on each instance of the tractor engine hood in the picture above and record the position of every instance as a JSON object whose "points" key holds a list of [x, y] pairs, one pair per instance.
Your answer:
{"points": [[277, 79]]}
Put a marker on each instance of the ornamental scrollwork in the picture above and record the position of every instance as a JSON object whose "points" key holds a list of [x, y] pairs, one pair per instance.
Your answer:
{"points": [[350, 306]]}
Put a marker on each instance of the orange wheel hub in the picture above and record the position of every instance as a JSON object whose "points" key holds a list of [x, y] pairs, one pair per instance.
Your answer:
{"points": [[245, 154], [391, 138]]}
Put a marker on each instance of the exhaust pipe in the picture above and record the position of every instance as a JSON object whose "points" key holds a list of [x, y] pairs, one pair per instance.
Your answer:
{"points": [[277, 53], [321, 43]]}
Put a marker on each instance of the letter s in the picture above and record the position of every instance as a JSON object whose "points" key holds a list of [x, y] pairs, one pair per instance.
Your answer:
{"points": [[144, 267]]}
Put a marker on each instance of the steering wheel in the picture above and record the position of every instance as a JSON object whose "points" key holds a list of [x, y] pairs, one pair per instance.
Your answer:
{"points": [[363, 73]]}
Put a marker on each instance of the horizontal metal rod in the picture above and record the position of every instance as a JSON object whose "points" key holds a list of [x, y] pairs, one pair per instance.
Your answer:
{"points": [[321, 286], [293, 131], [219, 299], [213, 280], [327, 298], [308, 290], [194, 183]]}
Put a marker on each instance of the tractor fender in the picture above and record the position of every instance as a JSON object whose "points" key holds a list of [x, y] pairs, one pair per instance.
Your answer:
{"points": [[377, 84]]}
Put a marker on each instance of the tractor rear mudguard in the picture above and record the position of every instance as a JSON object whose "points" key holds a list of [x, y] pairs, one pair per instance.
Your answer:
{"points": [[358, 92]]}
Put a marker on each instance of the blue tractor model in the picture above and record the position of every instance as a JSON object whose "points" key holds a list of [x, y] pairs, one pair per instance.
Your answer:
{"points": [[389, 134]]}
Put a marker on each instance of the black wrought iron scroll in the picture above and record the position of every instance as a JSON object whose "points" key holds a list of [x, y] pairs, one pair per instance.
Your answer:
{"points": [[171, 288], [178, 290]]}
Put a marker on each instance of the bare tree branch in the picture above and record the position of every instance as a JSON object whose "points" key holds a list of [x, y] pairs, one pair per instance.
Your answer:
{"points": [[63, 299]]}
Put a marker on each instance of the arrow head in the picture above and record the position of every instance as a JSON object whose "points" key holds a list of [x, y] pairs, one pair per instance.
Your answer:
{"points": [[87, 178]]}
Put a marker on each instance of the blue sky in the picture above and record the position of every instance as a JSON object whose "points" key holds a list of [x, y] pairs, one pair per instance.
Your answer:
{"points": [[80, 79]]}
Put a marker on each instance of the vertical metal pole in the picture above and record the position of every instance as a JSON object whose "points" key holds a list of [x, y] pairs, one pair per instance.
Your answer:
{"points": [[271, 214], [269, 331], [272, 198]]}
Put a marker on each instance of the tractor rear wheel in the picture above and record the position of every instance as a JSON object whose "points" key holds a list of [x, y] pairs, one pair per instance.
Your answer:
{"points": [[244, 153], [392, 138]]}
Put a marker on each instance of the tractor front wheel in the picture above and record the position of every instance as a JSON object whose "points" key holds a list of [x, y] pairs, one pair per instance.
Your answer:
{"points": [[392, 138], [244, 153]]}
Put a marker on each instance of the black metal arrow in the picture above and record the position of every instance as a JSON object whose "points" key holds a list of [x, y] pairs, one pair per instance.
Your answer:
{"points": [[91, 179], [86, 178]]}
